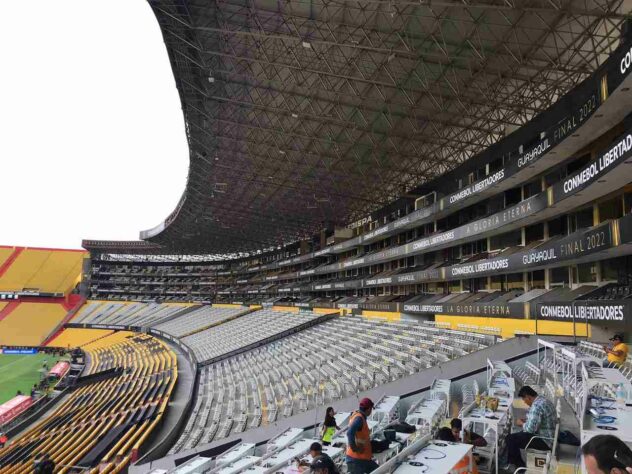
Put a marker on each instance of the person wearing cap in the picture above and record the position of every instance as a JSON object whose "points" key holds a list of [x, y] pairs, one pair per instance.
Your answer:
{"points": [[359, 454], [321, 462], [619, 352]]}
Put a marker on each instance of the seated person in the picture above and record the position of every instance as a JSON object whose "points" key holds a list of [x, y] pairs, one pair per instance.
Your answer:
{"points": [[618, 354], [468, 437], [540, 422], [445, 434], [321, 462], [607, 454]]}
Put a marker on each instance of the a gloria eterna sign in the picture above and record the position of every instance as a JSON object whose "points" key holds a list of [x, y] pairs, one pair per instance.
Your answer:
{"points": [[468, 309]]}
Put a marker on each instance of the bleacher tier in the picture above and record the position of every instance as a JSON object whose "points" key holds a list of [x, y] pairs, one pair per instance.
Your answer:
{"points": [[243, 331], [44, 270], [128, 314], [28, 324], [327, 362], [198, 319], [102, 424], [76, 337]]}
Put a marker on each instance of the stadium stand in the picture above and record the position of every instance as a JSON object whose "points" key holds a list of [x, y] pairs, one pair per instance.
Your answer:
{"points": [[168, 282], [77, 337], [43, 270], [5, 254], [417, 450], [102, 425], [516, 220], [198, 319], [128, 314], [316, 366], [28, 324], [242, 332]]}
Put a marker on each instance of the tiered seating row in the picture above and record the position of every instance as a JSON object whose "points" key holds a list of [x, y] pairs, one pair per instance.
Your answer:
{"points": [[330, 361], [30, 323], [128, 314], [198, 319], [243, 331], [50, 271], [122, 410], [76, 337]]}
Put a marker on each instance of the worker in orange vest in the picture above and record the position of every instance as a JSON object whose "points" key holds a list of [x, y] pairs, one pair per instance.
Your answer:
{"points": [[359, 453]]}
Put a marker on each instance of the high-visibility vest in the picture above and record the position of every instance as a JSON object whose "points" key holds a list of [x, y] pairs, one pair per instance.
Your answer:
{"points": [[362, 438], [328, 434], [463, 466]]}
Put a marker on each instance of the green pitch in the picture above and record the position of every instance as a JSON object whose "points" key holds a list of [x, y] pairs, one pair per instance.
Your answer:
{"points": [[20, 372]]}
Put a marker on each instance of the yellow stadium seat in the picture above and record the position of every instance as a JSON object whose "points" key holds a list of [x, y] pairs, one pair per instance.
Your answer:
{"points": [[5, 253], [75, 337], [88, 414], [50, 271], [30, 323]]}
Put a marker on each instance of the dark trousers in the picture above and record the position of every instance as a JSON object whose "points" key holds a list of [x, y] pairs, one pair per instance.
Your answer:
{"points": [[360, 466], [518, 441]]}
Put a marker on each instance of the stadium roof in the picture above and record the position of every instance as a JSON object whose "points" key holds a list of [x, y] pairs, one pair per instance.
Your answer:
{"points": [[303, 114]]}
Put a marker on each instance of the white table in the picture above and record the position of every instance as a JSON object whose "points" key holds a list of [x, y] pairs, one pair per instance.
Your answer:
{"points": [[235, 453], [497, 367], [385, 409], [437, 457], [500, 382], [284, 439], [496, 420], [426, 413], [239, 466], [622, 423], [332, 452]]}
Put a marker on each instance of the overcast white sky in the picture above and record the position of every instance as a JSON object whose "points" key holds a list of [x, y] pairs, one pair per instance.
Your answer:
{"points": [[92, 141]]}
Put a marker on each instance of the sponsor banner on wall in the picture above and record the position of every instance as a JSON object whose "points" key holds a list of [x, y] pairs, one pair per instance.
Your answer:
{"points": [[616, 153], [16, 351], [593, 311], [389, 307], [475, 188], [497, 310], [574, 246], [571, 247], [495, 221]]}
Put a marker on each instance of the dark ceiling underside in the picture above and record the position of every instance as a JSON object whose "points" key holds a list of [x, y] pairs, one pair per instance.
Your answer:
{"points": [[303, 114]]}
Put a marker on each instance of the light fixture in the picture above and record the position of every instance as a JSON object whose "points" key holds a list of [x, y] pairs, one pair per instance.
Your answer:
{"points": [[307, 44]]}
